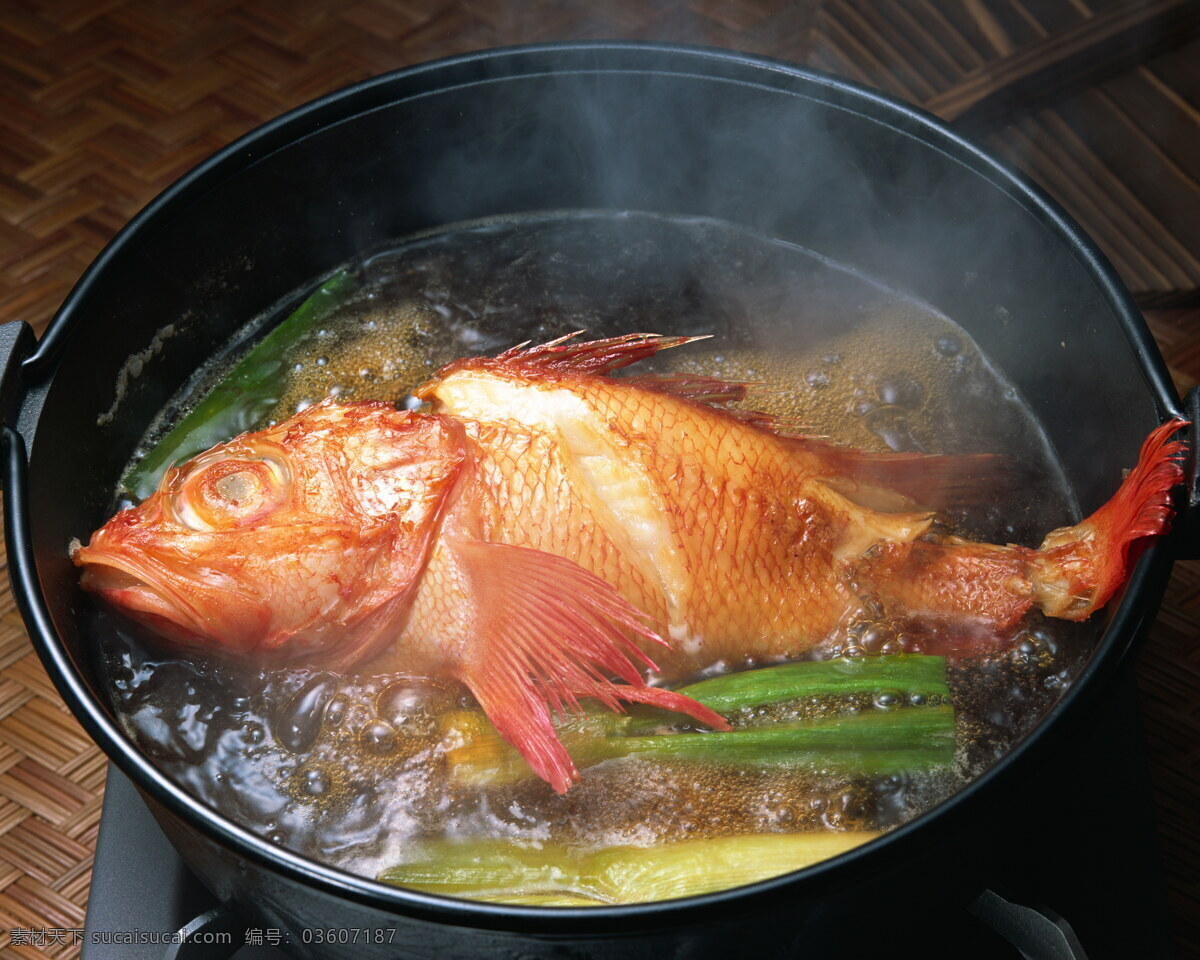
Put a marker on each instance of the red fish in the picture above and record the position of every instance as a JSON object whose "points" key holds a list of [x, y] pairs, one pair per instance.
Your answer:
{"points": [[545, 525]]}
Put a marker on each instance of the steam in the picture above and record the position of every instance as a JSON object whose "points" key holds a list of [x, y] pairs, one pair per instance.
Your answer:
{"points": [[688, 134], [811, 165]]}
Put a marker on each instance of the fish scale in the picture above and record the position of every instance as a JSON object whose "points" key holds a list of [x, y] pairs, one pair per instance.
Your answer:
{"points": [[757, 584]]}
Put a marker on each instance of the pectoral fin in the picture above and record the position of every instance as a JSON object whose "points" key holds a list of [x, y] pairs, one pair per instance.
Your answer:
{"points": [[548, 633]]}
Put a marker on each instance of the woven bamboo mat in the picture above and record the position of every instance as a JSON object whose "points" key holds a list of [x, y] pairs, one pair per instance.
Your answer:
{"points": [[104, 102]]}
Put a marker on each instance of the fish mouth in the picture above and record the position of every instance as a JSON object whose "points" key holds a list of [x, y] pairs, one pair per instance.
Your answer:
{"points": [[134, 590]]}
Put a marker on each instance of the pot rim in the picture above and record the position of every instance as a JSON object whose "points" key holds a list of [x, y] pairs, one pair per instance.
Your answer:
{"points": [[499, 65]]}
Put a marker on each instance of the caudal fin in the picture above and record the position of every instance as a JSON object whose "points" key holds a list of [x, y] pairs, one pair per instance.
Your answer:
{"points": [[1070, 576], [1078, 568]]}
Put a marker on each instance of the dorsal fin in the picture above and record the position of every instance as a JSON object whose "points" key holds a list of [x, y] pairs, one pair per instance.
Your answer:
{"points": [[567, 356], [708, 390], [932, 480], [718, 393], [936, 480]]}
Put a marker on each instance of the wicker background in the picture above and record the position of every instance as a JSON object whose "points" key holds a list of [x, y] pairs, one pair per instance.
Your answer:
{"points": [[104, 102]]}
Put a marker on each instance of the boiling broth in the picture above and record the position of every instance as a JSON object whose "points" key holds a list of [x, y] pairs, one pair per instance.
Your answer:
{"points": [[350, 770]]}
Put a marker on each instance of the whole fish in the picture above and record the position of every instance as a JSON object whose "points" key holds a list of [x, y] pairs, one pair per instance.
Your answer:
{"points": [[548, 532]]}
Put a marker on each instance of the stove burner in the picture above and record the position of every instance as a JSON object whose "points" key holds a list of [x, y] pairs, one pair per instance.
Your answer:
{"points": [[1112, 890]]}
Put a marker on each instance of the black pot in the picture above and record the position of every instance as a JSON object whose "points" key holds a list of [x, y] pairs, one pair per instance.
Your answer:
{"points": [[842, 170]]}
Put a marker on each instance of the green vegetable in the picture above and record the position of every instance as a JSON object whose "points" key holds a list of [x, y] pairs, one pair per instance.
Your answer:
{"points": [[246, 394], [871, 743], [909, 674], [877, 743], [556, 875], [478, 754]]}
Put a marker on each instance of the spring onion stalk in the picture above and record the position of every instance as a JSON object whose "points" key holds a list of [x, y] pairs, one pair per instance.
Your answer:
{"points": [[870, 743], [478, 754], [910, 674], [549, 874], [878, 743], [244, 396]]}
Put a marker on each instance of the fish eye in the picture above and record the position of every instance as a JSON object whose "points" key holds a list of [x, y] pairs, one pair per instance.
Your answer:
{"points": [[230, 487], [236, 487]]}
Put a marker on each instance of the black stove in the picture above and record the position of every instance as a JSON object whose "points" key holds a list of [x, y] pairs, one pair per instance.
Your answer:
{"points": [[1099, 896]]}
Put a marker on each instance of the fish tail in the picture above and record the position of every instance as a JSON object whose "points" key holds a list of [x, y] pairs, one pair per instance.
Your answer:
{"points": [[1074, 572], [1078, 568]]}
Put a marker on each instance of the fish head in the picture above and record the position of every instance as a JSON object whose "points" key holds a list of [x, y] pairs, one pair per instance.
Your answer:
{"points": [[301, 541]]}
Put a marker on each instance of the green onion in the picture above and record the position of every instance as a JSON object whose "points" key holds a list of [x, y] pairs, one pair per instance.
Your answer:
{"points": [[871, 743], [478, 754], [244, 396], [914, 675], [552, 874], [877, 743]]}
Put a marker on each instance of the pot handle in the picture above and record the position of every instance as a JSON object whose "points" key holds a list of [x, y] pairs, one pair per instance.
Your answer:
{"points": [[1186, 538], [17, 344]]}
